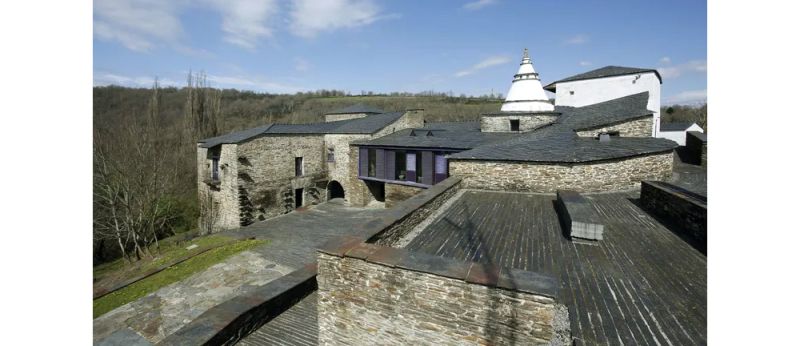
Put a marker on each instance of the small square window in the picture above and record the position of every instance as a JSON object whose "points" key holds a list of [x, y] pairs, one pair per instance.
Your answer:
{"points": [[514, 124], [331, 158]]}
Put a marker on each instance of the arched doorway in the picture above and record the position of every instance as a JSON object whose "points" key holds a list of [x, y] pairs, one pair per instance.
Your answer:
{"points": [[335, 190]]}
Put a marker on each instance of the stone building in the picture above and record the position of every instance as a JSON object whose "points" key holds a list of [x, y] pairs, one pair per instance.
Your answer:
{"points": [[586, 141], [531, 145], [273, 169], [481, 244]]}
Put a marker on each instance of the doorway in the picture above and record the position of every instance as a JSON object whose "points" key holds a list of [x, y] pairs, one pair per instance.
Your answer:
{"points": [[335, 190], [298, 198]]}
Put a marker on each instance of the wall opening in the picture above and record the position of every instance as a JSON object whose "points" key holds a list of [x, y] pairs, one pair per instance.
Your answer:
{"points": [[298, 198], [335, 190], [514, 124], [377, 189]]}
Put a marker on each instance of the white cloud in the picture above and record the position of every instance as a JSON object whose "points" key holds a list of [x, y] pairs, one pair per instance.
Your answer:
{"points": [[665, 60], [137, 24], [689, 97], [677, 71], [105, 78], [251, 83], [585, 63], [577, 39], [310, 17], [476, 5], [245, 22], [488, 62]]}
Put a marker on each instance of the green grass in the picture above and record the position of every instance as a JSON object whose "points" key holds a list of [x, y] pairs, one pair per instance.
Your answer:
{"points": [[170, 275], [171, 249]]}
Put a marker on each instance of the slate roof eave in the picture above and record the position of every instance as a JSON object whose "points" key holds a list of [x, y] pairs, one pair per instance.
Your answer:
{"points": [[613, 71]]}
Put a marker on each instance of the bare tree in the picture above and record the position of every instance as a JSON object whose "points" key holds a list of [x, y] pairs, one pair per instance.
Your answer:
{"points": [[134, 177]]}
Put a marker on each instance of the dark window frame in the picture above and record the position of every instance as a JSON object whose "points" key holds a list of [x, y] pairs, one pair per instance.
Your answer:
{"points": [[372, 162], [215, 168], [331, 157], [400, 172]]}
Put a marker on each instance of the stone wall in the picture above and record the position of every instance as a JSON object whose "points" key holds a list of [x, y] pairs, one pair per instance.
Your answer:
{"points": [[219, 201], [616, 175], [267, 174], [378, 296], [408, 214], [491, 123], [641, 127], [696, 145], [678, 207], [396, 193], [341, 169]]}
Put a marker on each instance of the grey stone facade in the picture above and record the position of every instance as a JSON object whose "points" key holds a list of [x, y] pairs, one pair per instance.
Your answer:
{"points": [[527, 122], [257, 176], [396, 193], [615, 175], [366, 303], [642, 127]]}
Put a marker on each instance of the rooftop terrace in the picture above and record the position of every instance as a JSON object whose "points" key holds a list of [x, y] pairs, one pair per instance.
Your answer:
{"points": [[641, 284]]}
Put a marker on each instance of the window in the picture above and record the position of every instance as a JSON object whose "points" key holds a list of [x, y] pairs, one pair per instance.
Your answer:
{"points": [[419, 167], [215, 168], [371, 164], [331, 158], [400, 165], [572, 92], [298, 166], [514, 125]]}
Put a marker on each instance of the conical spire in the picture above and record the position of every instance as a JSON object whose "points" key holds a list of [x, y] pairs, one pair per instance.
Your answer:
{"points": [[526, 93]]}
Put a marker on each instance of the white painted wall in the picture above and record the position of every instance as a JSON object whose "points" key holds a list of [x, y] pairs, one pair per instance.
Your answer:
{"points": [[679, 136], [585, 92]]}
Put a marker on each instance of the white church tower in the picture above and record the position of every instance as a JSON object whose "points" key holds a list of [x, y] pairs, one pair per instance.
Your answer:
{"points": [[526, 93]]}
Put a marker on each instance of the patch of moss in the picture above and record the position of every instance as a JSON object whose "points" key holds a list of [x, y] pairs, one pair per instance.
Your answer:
{"points": [[170, 275]]}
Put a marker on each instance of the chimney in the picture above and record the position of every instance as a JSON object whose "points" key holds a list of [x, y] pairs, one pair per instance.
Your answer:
{"points": [[605, 137]]}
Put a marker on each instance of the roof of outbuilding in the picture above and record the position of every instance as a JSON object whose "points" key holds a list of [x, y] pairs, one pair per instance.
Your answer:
{"points": [[366, 125], [444, 135], [606, 113], [557, 144], [357, 108], [608, 71], [682, 126], [553, 143]]}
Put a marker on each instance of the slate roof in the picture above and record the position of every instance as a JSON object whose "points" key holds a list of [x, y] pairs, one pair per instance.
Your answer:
{"points": [[606, 113], [358, 108], [559, 144], [366, 125], [676, 126], [444, 135], [608, 71], [556, 143]]}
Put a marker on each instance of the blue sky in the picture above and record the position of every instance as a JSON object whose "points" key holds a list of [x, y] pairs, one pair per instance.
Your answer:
{"points": [[471, 47]]}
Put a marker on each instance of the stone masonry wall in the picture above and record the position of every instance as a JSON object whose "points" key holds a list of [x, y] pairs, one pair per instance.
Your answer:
{"points": [[642, 127], [617, 175], [267, 179], [355, 190], [413, 211], [366, 303], [503, 124], [396, 193], [341, 169], [219, 203]]}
